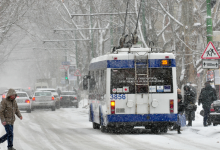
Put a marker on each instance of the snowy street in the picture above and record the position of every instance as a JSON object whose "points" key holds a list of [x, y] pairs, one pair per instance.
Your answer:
{"points": [[69, 129]]}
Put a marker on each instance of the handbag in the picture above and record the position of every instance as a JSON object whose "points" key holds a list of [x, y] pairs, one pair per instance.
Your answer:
{"points": [[181, 121], [191, 107], [194, 107]]}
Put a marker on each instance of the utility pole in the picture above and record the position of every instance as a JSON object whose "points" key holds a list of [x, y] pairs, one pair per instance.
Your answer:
{"points": [[209, 22]]}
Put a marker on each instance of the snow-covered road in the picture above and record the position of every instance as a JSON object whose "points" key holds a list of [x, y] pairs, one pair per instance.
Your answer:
{"points": [[69, 129]]}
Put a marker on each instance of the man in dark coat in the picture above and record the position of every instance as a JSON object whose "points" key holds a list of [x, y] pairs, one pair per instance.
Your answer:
{"points": [[206, 97], [189, 99]]}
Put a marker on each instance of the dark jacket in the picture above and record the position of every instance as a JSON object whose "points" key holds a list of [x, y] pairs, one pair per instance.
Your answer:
{"points": [[207, 96], [9, 108], [181, 107], [189, 96]]}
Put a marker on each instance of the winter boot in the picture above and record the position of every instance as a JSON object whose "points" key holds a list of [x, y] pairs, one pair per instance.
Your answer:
{"points": [[190, 123], [11, 148], [178, 130]]}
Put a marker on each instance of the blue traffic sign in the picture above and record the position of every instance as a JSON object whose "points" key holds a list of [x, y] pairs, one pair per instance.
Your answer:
{"points": [[67, 63]]}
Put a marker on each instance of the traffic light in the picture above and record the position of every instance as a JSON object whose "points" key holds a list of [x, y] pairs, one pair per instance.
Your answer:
{"points": [[66, 78]]}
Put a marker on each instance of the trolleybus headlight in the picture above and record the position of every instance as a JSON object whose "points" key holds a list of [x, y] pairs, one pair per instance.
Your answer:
{"points": [[112, 107]]}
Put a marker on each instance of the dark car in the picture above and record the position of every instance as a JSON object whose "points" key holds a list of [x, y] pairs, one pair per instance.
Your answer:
{"points": [[68, 98], [214, 113]]}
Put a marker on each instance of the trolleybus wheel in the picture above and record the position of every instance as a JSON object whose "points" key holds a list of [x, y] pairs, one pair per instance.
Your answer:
{"points": [[95, 125], [155, 130], [103, 129], [164, 129]]}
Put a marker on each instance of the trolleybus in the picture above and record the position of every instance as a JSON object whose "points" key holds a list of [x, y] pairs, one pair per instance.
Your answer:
{"points": [[132, 87]]}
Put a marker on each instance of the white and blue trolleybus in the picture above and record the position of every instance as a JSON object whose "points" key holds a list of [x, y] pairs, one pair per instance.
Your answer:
{"points": [[132, 87]]}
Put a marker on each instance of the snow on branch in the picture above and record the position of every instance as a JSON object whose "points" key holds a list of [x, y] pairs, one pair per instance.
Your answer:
{"points": [[184, 43], [72, 20], [169, 14], [182, 75], [139, 26], [162, 31]]}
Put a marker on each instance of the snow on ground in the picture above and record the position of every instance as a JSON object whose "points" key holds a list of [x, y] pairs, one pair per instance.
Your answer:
{"points": [[69, 129]]}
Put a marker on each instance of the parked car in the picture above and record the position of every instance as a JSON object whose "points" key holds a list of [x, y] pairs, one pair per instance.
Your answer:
{"points": [[54, 93], [23, 101], [214, 113], [68, 98], [44, 99]]}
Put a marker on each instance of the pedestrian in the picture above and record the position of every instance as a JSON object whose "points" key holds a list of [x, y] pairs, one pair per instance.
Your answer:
{"points": [[175, 127], [8, 110], [195, 91], [189, 102], [181, 117], [59, 91], [206, 97]]}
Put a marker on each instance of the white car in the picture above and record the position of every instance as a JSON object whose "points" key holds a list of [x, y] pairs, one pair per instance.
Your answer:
{"points": [[44, 99], [54, 93], [23, 101]]}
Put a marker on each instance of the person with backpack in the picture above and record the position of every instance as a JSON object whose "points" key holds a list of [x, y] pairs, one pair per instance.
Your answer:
{"points": [[206, 97]]}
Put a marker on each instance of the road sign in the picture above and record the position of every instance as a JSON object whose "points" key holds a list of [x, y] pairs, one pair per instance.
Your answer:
{"points": [[66, 63], [77, 73], [210, 52], [66, 67], [210, 64], [62, 69]]}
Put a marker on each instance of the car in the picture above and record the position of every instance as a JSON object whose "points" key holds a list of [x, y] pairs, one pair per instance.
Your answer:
{"points": [[44, 99], [214, 116], [23, 101], [68, 98], [54, 93], [6, 91]]}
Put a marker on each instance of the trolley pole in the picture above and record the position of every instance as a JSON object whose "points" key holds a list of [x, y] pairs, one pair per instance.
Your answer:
{"points": [[209, 22], [144, 22]]}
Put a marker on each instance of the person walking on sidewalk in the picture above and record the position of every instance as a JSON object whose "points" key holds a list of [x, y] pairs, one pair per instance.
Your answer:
{"points": [[189, 101], [8, 110], [206, 97], [181, 117]]}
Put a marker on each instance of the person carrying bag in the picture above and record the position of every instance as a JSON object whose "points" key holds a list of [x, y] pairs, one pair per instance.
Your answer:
{"points": [[206, 97]]}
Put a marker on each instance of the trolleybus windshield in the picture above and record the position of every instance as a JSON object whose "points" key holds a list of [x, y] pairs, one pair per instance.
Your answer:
{"points": [[123, 80]]}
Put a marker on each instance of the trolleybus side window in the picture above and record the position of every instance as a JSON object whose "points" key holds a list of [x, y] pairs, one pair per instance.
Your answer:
{"points": [[160, 80], [97, 84]]}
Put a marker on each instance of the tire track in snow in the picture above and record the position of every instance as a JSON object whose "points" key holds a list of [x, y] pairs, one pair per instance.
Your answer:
{"points": [[194, 144]]}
